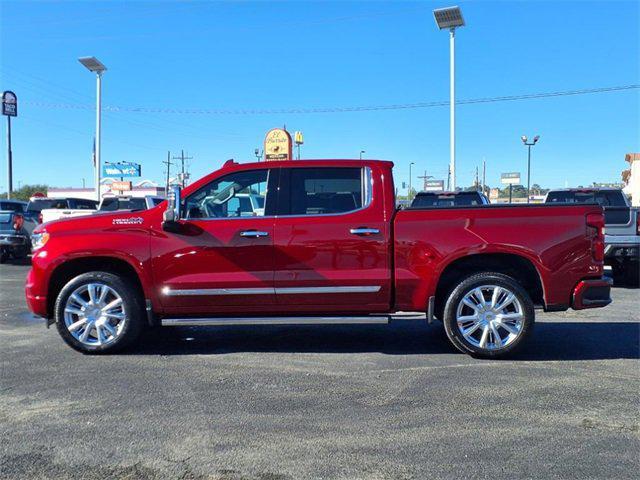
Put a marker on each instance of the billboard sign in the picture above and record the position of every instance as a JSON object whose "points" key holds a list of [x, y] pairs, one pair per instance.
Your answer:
{"points": [[278, 145], [124, 169], [9, 104], [510, 178], [434, 185]]}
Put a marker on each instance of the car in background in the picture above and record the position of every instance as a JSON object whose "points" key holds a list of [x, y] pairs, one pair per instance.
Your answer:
{"points": [[622, 228], [15, 234], [37, 205], [107, 204], [123, 202], [449, 199]]}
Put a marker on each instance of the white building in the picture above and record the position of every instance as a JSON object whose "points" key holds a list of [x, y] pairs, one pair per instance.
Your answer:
{"points": [[633, 183], [141, 188]]}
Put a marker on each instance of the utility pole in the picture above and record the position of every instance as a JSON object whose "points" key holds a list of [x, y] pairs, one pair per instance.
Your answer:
{"points": [[168, 163], [409, 192], [477, 180], [484, 174], [424, 178], [182, 176]]}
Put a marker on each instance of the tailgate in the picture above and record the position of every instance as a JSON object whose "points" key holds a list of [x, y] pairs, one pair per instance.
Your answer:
{"points": [[620, 221]]}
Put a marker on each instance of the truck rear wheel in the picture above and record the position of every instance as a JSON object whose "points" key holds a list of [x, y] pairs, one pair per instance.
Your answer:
{"points": [[488, 315], [99, 312]]}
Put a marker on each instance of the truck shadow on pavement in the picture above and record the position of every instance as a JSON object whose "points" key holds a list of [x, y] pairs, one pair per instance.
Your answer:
{"points": [[550, 341]]}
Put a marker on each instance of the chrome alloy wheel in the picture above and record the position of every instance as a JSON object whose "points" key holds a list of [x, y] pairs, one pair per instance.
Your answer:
{"points": [[94, 314], [490, 317]]}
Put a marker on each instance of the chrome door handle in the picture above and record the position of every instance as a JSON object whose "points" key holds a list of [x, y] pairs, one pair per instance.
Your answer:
{"points": [[253, 234], [363, 231]]}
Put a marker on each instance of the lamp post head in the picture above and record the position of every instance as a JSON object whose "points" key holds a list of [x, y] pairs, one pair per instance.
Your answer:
{"points": [[536, 138], [93, 64], [448, 18], [524, 139]]}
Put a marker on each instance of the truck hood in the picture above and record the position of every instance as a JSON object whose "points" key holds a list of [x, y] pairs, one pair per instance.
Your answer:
{"points": [[99, 220]]}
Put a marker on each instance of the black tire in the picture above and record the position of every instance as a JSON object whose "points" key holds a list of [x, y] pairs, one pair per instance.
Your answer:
{"points": [[132, 306], [625, 274], [21, 253], [468, 285]]}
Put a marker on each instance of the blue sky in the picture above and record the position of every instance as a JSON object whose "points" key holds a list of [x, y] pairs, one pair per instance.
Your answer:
{"points": [[265, 55]]}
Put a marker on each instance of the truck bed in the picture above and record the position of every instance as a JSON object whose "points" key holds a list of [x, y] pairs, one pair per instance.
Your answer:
{"points": [[553, 238]]}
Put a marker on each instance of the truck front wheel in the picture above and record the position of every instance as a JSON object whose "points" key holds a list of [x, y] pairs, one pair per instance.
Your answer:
{"points": [[99, 312], [488, 315]]}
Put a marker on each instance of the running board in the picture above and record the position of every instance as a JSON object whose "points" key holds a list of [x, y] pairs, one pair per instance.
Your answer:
{"points": [[200, 322]]}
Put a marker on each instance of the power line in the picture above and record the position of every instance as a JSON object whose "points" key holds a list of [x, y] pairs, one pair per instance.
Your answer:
{"points": [[402, 106]]}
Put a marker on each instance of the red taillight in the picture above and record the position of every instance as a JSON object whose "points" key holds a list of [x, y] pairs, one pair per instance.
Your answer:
{"points": [[18, 222], [638, 222], [40, 218], [596, 222]]}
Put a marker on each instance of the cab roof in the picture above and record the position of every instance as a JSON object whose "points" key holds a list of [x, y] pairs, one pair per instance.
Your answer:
{"points": [[232, 165]]}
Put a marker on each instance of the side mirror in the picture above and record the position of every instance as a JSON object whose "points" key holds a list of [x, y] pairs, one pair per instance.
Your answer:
{"points": [[171, 215]]}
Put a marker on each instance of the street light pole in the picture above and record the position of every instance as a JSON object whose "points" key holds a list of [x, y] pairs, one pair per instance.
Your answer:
{"points": [[452, 107], [94, 65], [362, 152], [451, 18], [98, 130], [529, 145]]}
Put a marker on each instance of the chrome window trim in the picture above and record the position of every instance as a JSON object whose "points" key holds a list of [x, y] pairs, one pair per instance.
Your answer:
{"points": [[184, 204], [368, 196], [346, 289], [269, 290]]}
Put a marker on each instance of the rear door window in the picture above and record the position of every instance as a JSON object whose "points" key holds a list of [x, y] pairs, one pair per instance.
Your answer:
{"points": [[323, 191], [39, 205]]}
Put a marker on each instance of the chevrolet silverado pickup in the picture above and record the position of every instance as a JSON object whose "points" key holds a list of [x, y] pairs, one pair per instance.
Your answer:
{"points": [[621, 228], [328, 246]]}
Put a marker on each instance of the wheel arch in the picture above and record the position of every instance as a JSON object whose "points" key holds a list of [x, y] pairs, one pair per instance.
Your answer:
{"points": [[71, 268], [521, 268]]}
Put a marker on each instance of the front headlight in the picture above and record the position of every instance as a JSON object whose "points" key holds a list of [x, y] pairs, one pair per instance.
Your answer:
{"points": [[38, 240]]}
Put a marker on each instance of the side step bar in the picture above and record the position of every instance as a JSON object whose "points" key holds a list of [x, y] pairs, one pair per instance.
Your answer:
{"points": [[192, 322]]}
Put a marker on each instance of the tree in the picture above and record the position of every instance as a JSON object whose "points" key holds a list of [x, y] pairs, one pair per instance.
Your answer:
{"points": [[25, 192]]}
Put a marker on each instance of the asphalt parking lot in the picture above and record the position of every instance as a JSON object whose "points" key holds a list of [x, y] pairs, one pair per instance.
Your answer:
{"points": [[362, 402]]}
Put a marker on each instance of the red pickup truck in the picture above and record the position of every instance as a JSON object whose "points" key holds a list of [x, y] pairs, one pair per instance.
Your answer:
{"points": [[314, 242]]}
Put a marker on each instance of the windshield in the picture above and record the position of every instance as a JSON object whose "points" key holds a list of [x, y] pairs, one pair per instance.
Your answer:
{"points": [[12, 206], [446, 200], [604, 198], [113, 204], [39, 205]]}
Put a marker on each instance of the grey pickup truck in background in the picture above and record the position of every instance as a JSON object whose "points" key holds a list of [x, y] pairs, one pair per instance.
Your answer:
{"points": [[622, 228]]}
